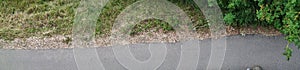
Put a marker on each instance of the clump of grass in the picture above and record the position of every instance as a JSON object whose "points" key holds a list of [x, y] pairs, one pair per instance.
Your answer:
{"points": [[151, 24]]}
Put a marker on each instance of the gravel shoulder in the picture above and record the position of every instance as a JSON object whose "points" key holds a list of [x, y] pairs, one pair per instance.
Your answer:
{"points": [[64, 41]]}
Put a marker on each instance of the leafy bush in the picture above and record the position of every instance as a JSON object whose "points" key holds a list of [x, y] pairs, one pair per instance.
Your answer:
{"points": [[239, 12], [282, 14]]}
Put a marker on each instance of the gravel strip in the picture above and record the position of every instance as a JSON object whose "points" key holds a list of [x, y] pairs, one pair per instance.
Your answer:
{"points": [[60, 41]]}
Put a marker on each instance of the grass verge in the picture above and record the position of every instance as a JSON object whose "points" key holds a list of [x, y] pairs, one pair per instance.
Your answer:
{"points": [[27, 18]]}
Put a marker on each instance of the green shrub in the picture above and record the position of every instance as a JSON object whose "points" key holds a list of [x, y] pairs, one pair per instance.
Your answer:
{"points": [[239, 12], [283, 15]]}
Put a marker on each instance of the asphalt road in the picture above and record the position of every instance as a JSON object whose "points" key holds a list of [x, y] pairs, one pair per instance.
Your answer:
{"points": [[241, 52]]}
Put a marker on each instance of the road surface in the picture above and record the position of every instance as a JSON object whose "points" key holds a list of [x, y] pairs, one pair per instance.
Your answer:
{"points": [[241, 52]]}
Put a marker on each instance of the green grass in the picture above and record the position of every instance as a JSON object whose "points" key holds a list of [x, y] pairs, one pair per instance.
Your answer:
{"points": [[21, 19], [26, 18]]}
